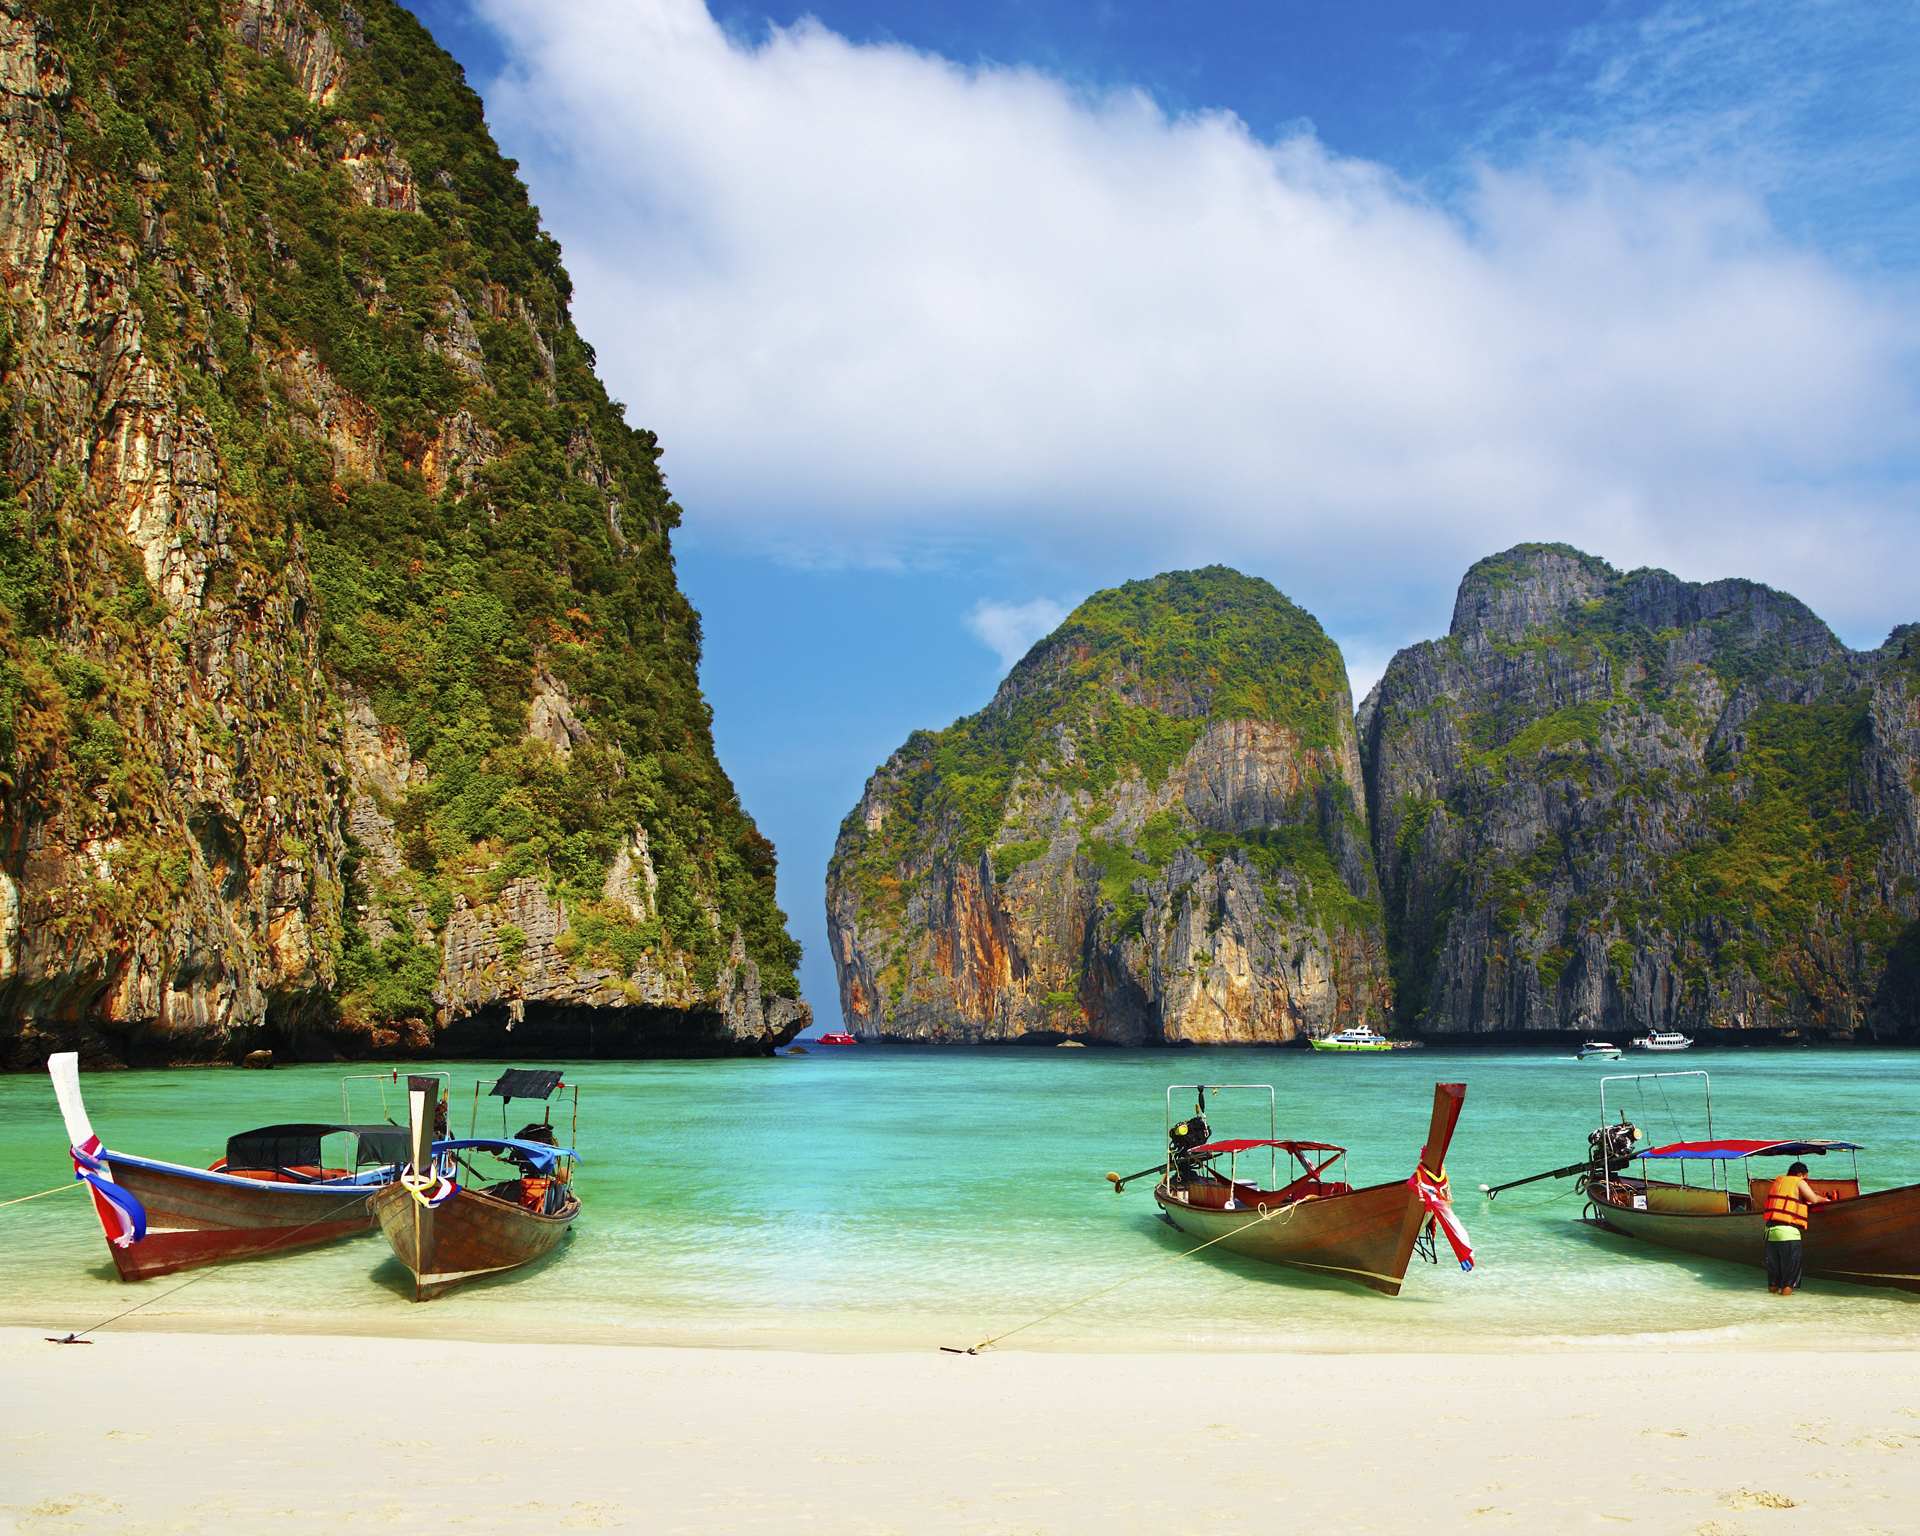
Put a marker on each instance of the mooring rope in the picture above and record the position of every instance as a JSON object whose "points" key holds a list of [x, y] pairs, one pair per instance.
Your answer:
{"points": [[76, 1184], [1530, 1205], [211, 1269], [1285, 1211]]}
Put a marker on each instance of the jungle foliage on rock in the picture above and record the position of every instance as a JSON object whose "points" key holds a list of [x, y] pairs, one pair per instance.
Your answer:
{"points": [[1618, 800], [414, 460]]}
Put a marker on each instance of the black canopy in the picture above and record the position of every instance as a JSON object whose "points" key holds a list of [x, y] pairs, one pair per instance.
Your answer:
{"points": [[298, 1146], [526, 1083]]}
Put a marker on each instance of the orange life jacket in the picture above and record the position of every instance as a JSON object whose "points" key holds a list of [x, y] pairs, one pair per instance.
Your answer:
{"points": [[1785, 1208]]}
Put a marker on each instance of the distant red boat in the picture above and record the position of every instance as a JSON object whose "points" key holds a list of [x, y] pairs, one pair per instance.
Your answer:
{"points": [[837, 1039], [269, 1194]]}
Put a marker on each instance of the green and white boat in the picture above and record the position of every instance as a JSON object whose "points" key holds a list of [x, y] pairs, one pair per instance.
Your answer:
{"points": [[1360, 1038]]}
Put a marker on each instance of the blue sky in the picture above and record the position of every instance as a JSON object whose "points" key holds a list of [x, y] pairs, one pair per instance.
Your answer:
{"points": [[949, 314]]}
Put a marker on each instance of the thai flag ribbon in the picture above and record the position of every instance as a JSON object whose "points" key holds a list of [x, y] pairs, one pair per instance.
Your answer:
{"points": [[431, 1190], [1434, 1195], [123, 1217]]}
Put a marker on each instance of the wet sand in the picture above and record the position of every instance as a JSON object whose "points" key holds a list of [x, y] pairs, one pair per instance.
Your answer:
{"points": [[150, 1432]]}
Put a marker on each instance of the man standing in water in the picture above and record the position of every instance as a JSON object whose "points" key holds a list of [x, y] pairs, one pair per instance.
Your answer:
{"points": [[1786, 1220]]}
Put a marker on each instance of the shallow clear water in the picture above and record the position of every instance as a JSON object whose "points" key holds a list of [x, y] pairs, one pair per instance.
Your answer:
{"points": [[905, 1197]]}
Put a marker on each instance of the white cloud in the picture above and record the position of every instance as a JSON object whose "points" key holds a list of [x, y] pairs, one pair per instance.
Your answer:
{"points": [[1010, 629], [876, 302]]}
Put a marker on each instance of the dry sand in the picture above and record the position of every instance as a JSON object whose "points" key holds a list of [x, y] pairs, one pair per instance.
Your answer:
{"points": [[149, 1432]]}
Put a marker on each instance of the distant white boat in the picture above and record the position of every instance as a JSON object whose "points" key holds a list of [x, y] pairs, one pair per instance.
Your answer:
{"points": [[1598, 1050], [1668, 1040], [1359, 1038]]}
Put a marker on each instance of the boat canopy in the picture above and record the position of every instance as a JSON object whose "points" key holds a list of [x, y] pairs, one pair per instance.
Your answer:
{"points": [[526, 1083], [1285, 1146], [538, 1153], [1725, 1150], [298, 1146]]}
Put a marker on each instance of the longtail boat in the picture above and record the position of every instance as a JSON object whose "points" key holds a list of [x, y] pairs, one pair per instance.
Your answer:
{"points": [[1863, 1239], [447, 1232], [1311, 1219], [271, 1193]]}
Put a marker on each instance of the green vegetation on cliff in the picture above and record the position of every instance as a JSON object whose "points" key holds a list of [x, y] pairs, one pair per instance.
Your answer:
{"points": [[1612, 792], [409, 433], [1094, 852], [1131, 678]]}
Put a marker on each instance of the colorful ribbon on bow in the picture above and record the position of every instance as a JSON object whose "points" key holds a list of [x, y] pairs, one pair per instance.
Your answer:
{"points": [[123, 1217], [1434, 1195], [430, 1189]]}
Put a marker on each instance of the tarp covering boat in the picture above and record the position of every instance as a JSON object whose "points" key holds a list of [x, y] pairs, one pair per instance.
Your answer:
{"points": [[298, 1146], [539, 1154], [525, 1083], [1725, 1151]]}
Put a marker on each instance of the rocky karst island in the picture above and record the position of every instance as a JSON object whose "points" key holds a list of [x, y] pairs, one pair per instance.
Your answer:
{"points": [[348, 705], [1605, 801]]}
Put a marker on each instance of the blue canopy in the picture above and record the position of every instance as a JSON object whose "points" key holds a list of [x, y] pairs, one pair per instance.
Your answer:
{"points": [[539, 1153], [1726, 1151]]}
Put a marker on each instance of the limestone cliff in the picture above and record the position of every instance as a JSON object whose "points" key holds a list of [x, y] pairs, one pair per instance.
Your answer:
{"points": [[347, 701], [1616, 802], [1154, 833]]}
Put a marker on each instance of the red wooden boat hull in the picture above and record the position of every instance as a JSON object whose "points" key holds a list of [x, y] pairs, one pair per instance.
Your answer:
{"points": [[197, 1217], [1362, 1235], [466, 1237], [1869, 1239]]}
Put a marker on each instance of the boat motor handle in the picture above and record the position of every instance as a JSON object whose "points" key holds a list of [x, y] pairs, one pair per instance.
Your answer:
{"points": [[1490, 1190], [1119, 1183]]}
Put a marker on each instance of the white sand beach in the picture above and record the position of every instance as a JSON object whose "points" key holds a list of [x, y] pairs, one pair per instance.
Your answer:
{"points": [[152, 1432]]}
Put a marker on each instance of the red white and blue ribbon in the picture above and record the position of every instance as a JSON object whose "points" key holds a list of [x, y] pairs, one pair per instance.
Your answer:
{"points": [[123, 1217], [1434, 1196], [431, 1190]]}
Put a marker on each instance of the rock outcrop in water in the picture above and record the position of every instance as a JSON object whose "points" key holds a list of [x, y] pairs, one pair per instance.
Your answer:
{"points": [[1606, 802], [1154, 833], [349, 702], [1619, 802]]}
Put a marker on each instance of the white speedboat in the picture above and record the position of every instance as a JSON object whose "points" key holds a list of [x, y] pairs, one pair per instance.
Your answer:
{"points": [[1359, 1038], [1598, 1050], [1663, 1040]]}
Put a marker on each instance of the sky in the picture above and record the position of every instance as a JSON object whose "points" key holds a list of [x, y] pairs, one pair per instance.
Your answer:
{"points": [[950, 313]]}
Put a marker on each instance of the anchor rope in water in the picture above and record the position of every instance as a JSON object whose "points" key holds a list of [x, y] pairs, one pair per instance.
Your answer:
{"points": [[75, 1184], [1530, 1205], [1285, 1211]]}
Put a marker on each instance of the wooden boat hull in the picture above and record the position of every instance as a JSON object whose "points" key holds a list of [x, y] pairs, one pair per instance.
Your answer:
{"points": [[1362, 1235], [466, 1237], [1872, 1239], [1353, 1237], [197, 1217]]}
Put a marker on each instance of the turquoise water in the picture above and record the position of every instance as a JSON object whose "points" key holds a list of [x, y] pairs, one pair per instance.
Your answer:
{"points": [[901, 1197]]}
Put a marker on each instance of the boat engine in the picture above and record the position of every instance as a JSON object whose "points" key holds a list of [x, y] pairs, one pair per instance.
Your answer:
{"points": [[1181, 1140], [1610, 1148]]}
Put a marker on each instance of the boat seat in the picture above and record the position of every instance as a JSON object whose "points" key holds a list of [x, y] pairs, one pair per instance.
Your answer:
{"points": [[1832, 1189], [1213, 1197], [1673, 1200]]}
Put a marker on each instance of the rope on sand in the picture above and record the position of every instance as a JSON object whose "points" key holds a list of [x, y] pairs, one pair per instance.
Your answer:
{"points": [[1284, 1212]]}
